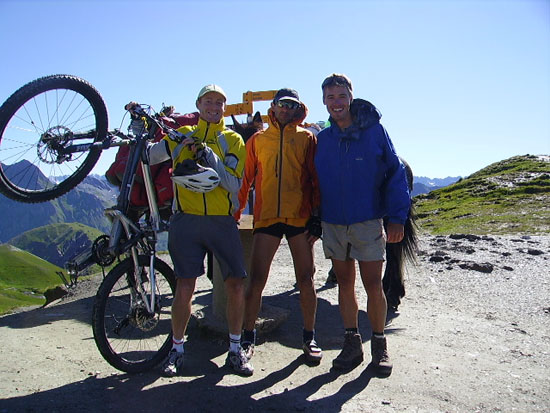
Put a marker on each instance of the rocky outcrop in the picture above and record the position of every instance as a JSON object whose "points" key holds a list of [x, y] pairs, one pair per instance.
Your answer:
{"points": [[479, 253]]}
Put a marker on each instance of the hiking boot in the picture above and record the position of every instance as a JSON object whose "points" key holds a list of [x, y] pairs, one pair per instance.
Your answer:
{"points": [[312, 351], [173, 364], [380, 358], [351, 354], [239, 363], [248, 349]]}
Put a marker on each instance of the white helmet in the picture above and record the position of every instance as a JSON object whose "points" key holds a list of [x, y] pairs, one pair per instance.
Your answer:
{"points": [[195, 177]]}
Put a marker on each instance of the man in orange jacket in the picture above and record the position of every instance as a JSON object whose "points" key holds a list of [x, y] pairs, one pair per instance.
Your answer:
{"points": [[280, 165]]}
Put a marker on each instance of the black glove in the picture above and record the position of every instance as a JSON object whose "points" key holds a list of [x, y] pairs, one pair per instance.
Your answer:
{"points": [[313, 226]]}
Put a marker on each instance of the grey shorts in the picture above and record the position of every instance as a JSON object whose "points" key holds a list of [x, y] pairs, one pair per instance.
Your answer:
{"points": [[363, 241], [191, 236]]}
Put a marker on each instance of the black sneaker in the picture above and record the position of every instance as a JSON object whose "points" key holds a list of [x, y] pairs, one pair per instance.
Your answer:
{"points": [[248, 349], [239, 363], [173, 364], [312, 351]]}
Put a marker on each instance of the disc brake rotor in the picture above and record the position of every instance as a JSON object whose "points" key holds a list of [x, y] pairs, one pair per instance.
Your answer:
{"points": [[51, 145]]}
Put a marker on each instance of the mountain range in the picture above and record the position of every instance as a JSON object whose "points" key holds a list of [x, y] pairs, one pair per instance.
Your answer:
{"points": [[84, 204], [423, 184]]}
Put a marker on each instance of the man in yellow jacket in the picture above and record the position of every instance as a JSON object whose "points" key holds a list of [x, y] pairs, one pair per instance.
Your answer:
{"points": [[208, 161], [280, 165]]}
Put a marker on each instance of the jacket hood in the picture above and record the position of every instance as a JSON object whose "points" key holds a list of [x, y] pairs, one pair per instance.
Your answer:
{"points": [[364, 115], [301, 114]]}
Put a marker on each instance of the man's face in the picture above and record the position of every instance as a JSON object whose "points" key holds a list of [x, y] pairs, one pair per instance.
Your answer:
{"points": [[338, 100], [211, 107], [285, 111]]}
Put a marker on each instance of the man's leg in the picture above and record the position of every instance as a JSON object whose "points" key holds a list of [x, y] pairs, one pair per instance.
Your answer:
{"points": [[264, 247], [347, 301], [304, 268], [181, 306], [352, 351], [181, 312], [236, 358], [371, 274], [234, 288]]}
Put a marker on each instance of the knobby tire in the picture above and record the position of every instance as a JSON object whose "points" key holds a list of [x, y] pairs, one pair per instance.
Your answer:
{"points": [[133, 348], [44, 115]]}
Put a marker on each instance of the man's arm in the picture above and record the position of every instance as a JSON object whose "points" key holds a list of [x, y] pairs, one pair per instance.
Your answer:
{"points": [[158, 152], [226, 169]]}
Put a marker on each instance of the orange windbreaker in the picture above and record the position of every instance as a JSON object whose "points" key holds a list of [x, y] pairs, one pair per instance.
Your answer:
{"points": [[280, 165]]}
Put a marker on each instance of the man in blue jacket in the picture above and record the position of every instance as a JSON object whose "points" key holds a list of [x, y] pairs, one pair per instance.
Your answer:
{"points": [[361, 181]]}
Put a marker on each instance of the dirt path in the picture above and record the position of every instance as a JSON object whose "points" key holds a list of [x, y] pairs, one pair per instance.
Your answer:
{"points": [[464, 341]]}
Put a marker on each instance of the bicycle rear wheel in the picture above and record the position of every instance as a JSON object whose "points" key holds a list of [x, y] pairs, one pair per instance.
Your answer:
{"points": [[127, 336], [37, 123]]}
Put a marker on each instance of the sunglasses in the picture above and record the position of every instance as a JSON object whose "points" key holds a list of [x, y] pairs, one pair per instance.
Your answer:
{"points": [[287, 104]]}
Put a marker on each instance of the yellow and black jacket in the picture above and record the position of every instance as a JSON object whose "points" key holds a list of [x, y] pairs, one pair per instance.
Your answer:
{"points": [[226, 154]]}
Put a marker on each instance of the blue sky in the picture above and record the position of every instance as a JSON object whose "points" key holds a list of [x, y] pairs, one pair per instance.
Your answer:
{"points": [[460, 84]]}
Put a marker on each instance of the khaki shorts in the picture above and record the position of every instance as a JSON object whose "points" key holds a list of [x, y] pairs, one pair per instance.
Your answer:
{"points": [[363, 241]]}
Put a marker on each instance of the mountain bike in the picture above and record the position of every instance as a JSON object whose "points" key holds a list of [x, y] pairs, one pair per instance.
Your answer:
{"points": [[52, 132]]}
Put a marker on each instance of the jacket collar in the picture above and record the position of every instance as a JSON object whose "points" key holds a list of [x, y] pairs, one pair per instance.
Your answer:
{"points": [[203, 125]]}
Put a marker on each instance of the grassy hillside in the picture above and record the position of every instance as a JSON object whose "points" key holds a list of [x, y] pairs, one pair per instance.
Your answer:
{"points": [[507, 197], [24, 278], [56, 233], [57, 243]]}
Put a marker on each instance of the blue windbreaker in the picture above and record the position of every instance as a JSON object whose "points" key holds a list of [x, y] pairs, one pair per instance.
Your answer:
{"points": [[360, 175]]}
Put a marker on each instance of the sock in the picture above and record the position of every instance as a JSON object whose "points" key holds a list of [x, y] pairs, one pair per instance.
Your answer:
{"points": [[378, 335], [250, 336], [352, 330], [308, 335], [234, 343], [177, 344]]}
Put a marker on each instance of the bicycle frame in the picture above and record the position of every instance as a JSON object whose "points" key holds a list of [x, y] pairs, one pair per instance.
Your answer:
{"points": [[137, 237], [144, 238]]}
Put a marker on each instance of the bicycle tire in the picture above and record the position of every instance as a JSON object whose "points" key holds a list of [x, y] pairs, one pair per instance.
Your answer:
{"points": [[140, 344], [35, 122]]}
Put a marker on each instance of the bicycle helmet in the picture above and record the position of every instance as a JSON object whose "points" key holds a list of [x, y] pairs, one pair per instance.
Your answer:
{"points": [[195, 177]]}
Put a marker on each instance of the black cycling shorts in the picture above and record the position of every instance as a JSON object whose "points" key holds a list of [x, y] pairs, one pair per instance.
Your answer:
{"points": [[279, 229]]}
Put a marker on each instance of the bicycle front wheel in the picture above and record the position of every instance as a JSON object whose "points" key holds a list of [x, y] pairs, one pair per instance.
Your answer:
{"points": [[129, 337], [37, 124]]}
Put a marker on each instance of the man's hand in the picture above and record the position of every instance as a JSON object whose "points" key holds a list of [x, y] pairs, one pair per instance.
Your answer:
{"points": [[196, 147], [395, 232]]}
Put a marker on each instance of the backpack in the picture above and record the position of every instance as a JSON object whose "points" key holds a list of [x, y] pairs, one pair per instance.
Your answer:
{"points": [[160, 173]]}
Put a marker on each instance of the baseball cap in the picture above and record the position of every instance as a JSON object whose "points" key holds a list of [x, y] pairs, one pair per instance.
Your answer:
{"points": [[286, 94], [211, 88]]}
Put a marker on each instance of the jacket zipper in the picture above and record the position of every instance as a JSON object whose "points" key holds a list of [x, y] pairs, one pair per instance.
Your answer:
{"points": [[280, 173], [204, 194]]}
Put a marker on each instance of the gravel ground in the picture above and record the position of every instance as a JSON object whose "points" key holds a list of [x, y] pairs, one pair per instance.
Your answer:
{"points": [[472, 334]]}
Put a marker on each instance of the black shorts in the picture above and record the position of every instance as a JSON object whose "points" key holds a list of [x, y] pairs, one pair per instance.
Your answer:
{"points": [[279, 229]]}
